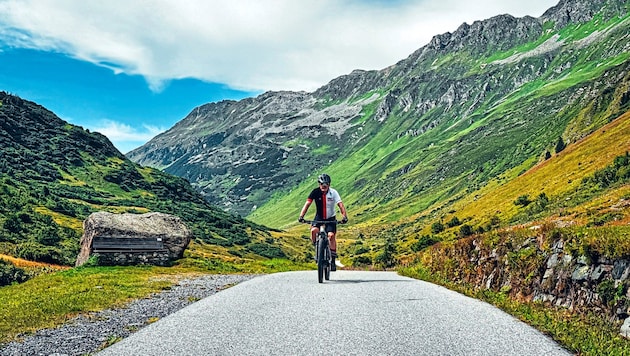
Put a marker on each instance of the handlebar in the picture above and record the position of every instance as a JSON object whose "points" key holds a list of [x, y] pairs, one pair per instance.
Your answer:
{"points": [[318, 222]]}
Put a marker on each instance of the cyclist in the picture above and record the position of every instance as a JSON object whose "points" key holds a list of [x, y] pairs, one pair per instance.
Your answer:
{"points": [[325, 199]]}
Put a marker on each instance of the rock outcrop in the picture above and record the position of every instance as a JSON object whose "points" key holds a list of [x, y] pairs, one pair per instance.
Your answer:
{"points": [[129, 239], [544, 268]]}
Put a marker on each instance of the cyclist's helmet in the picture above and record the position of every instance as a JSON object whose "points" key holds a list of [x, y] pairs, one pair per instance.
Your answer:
{"points": [[324, 179]]}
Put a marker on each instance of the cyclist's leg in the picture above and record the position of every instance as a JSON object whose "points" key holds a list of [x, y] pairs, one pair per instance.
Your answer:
{"points": [[332, 233], [333, 241], [314, 231]]}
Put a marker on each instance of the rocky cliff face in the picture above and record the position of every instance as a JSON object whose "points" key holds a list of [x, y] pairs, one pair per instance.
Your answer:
{"points": [[467, 106], [233, 150]]}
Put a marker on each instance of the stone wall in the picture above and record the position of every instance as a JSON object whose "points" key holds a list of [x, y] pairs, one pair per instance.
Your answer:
{"points": [[157, 258], [541, 268]]}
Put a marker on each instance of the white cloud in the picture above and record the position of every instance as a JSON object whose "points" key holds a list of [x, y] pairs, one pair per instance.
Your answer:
{"points": [[126, 137], [246, 44]]}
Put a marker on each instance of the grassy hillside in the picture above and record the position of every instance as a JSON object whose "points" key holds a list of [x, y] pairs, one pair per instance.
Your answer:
{"points": [[55, 174], [413, 160]]}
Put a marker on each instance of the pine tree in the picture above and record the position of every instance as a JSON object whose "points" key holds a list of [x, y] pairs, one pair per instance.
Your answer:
{"points": [[560, 145]]}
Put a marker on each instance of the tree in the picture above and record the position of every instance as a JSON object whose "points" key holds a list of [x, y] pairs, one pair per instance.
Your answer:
{"points": [[386, 257], [437, 227], [560, 145], [465, 230], [523, 200]]}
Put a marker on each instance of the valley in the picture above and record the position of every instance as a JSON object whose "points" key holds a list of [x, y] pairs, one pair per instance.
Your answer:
{"points": [[494, 160]]}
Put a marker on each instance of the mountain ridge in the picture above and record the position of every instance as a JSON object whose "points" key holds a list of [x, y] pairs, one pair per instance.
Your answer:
{"points": [[54, 174], [516, 78]]}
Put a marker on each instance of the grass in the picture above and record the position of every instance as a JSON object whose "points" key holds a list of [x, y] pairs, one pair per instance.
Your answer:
{"points": [[50, 300], [560, 174]]}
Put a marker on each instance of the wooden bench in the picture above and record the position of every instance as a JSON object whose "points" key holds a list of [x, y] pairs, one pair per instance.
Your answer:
{"points": [[120, 243]]}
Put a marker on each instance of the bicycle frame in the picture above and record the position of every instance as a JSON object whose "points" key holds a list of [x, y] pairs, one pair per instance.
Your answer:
{"points": [[322, 250]]}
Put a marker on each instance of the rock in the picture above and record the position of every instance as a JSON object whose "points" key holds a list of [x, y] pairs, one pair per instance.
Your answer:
{"points": [[553, 261], [581, 273], [620, 270], [625, 329], [599, 271], [173, 234], [582, 260]]}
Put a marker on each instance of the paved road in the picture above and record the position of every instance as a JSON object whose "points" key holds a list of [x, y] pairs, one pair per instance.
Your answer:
{"points": [[356, 313]]}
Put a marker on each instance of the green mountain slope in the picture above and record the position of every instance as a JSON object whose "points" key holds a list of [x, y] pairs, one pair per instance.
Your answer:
{"points": [[452, 119], [53, 175], [456, 114]]}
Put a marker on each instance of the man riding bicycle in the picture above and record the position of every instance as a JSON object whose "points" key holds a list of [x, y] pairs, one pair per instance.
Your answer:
{"points": [[325, 199]]}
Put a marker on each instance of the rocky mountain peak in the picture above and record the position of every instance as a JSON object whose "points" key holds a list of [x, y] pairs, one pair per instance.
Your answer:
{"points": [[575, 11], [497, 33], [239, 154]]}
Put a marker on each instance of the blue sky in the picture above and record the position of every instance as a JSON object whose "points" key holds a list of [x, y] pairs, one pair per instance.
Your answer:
{"points": [[118, 105], [132, 69]]}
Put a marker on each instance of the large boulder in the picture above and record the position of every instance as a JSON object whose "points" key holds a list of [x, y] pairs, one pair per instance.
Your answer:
{"points": [[123, 239]]}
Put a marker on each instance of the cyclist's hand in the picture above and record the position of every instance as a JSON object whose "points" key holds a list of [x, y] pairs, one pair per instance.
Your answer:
{"points": [[344, 220], [301, 219]]}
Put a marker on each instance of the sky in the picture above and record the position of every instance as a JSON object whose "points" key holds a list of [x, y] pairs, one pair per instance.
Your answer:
{"points": [[131, 69]]}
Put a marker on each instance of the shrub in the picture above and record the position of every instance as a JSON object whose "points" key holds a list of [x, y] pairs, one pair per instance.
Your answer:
{"points": [[10, 274], [523, 200], [560, 145], [386, 257], [453, 222], [465, 230], [437, 227], [36, 252], [424, 242], [266, 250], [361, 260]]}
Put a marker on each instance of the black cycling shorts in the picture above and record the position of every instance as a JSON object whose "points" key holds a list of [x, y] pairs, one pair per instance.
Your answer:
{"points": [[329, 227]]}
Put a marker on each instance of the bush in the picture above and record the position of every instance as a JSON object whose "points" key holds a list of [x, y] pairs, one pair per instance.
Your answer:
{"points": [[33, 251], [10, 274], [453, 222], [523, 200], [266, 250], [387, 257], [424, 242], [437, 227], [465, 230], [361, 260], [560, 145]]}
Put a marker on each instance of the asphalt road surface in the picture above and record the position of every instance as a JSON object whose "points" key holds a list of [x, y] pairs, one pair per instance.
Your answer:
{"points": [[355, 313]]}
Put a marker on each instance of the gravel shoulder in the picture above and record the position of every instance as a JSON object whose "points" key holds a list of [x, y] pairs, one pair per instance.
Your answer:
{"points": [[86, 334]]}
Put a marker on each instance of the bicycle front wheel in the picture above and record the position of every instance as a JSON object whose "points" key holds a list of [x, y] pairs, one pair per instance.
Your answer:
{"points": [[321, 259], [327, 266]]}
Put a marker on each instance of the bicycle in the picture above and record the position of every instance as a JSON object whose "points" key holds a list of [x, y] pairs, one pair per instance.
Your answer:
{"points": [[323, 256]]}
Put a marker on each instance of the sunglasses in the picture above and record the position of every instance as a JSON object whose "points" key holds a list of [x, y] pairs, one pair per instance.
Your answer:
{"points": [[323, 184]]}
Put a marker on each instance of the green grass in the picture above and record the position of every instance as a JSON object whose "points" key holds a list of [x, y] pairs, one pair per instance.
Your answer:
{"points": [[49, 300]]}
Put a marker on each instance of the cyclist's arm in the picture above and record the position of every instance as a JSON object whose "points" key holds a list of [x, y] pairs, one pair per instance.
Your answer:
{"points": [[306, 206], [342, 208]]}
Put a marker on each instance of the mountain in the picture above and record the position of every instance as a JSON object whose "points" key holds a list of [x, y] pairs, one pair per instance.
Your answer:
{"points": [[464, 109], [54, 174]]}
